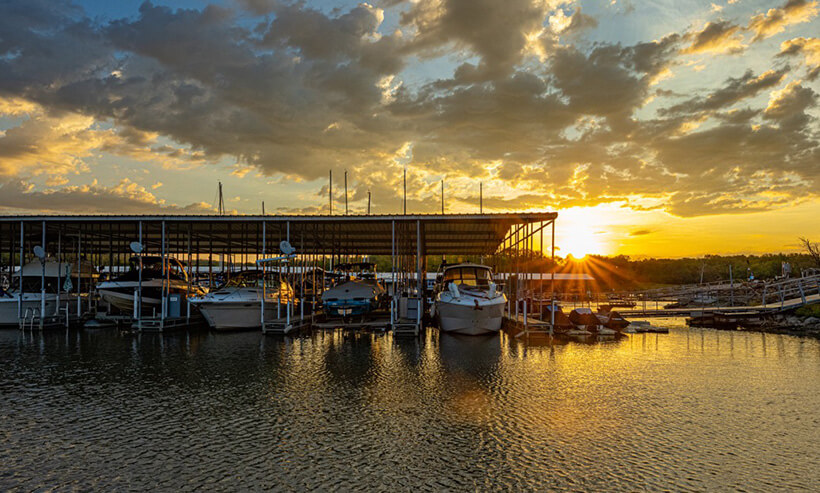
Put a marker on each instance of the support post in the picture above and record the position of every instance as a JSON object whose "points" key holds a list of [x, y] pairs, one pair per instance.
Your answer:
{"points": [[139, 286], [165, 267], [42, 278], [20, 273], [552, 280], [264, 277], [59, 271], [419, 281], [393, 273], [79, 273]]}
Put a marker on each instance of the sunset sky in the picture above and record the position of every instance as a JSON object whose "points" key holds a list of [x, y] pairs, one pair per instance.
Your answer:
{"points": [[663, 128]]}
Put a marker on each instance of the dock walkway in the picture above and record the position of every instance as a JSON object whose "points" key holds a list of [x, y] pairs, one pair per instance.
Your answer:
{"points": [[769, 308]]}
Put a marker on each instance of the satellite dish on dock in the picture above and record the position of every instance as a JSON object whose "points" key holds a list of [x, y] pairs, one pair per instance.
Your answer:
{"points": [[137, 247], [286, 247], [39, 252]]}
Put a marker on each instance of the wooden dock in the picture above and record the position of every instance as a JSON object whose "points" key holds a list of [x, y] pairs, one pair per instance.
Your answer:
{"points": [[769, 308], [520, 325], [283, 326]]}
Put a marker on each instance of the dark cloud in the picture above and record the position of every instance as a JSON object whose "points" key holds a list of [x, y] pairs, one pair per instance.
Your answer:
{"points": [[495, 31], [735, 89], [296, 91]]}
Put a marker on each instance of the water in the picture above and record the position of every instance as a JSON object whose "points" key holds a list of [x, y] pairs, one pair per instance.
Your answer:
{"points": [[690, 410]]}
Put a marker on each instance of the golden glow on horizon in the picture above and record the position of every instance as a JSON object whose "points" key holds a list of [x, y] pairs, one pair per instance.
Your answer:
{"points": [[582, 231]]}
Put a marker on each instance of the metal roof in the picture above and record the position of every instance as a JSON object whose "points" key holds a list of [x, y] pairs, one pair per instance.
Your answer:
{"points": [[450, 234]]}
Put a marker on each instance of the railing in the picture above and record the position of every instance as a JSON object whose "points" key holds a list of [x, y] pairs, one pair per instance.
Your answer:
{"points": [[34, 312]]}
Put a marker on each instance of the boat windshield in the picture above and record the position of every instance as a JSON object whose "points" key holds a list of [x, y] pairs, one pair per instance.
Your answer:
{"points": [[245, 281], [468, 276]]}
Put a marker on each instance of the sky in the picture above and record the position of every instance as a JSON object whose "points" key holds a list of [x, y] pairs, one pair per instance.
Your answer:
{"points": [[665, 128]]}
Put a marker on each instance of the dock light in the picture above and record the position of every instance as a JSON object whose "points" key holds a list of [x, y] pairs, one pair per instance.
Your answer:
{"points": [[137, 247]]}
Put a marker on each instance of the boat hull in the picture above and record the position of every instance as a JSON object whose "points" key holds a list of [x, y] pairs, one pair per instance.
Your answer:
{"points": [[120, 294], [237, 316], [461, 318], [31, 302]]}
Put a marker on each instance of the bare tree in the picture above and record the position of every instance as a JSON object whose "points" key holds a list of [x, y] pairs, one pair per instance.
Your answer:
{"points": [[812, 248]]}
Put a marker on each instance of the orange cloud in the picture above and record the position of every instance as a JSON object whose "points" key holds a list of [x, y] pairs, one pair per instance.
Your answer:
{"points": [[716, 37], [809, 48], [776, 20]]}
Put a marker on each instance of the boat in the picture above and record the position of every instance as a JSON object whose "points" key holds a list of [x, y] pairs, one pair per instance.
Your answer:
{"points": [[467, 301], [643, 326], [585, 319], [120, 291], [238, 304], [562, 322], [63, 282], [613, 320], [356, 293]]}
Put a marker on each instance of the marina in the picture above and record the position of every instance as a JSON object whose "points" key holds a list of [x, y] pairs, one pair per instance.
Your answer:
{"points": [[289, 274], [279, 274]]}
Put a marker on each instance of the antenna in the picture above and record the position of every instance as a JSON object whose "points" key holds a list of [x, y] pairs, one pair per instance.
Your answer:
{"points": [[345, 192], [442, 195], [330, 192], [286, 248], [481, 197], [40, 253], [405, 190], [221, 206], [368, 202], [263, 207]]}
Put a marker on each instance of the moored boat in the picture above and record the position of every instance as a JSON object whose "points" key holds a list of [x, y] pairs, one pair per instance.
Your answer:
{"points": [[357, 293], [467, 301], [120, 291], [585, 319], [63, 282], [562, 323], [613, 320], [238, 304]]}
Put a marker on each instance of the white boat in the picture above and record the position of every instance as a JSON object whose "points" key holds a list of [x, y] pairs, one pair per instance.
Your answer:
{"points": [[238, 304], [467, 301], [120, 291], [59, 294]]}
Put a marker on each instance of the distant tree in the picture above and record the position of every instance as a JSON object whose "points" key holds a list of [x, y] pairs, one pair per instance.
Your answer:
{"points": [[812, 248]]}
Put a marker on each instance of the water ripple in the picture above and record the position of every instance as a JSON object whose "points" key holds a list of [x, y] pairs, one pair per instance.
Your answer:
{"points": [[688, 411]]}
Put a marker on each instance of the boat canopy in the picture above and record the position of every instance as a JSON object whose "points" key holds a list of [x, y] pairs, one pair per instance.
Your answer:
{"points": [[58, 269], [468, 275]]}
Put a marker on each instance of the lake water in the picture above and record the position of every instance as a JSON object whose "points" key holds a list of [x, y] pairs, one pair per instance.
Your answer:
{"points": [[694, 409]]}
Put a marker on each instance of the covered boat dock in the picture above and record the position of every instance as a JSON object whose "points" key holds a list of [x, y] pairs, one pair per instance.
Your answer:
{"points": [[206, 242]]}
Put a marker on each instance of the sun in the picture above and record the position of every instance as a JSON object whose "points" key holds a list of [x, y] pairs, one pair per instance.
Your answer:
{"points": [[583, 231], [580, 242]]}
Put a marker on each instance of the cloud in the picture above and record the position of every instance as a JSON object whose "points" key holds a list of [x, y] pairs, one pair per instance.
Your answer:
{"points": [[495, 31], [126, 197], [716, 37], [641, 232], [508, 93], [809, 48], [48, 144], [788, 106], [776, 20], [735, 89]]}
